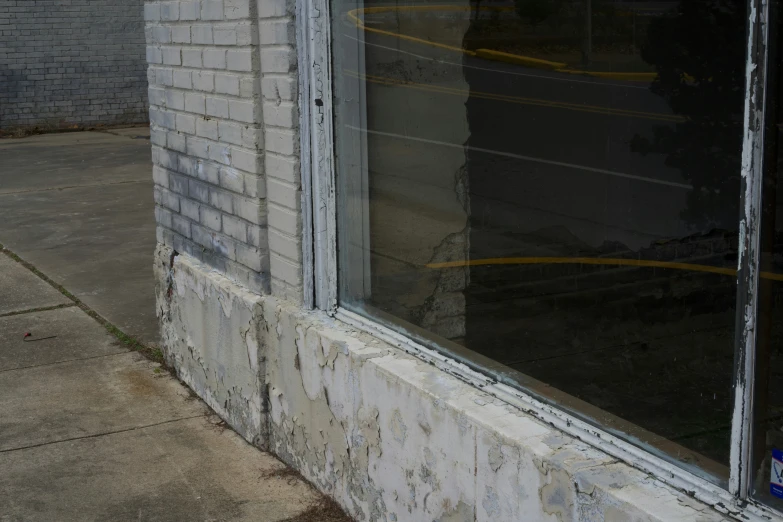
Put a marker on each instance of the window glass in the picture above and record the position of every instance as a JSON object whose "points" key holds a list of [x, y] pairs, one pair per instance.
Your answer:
{"points": [[549, 191], [767, 432]]}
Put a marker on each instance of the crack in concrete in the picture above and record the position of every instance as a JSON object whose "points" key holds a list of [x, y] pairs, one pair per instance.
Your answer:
{"points": [[102, 434], [39, 309]]}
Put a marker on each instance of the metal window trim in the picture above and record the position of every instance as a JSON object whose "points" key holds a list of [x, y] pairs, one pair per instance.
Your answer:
{"points": [[319, 229], [319, 243], [741, 479]]}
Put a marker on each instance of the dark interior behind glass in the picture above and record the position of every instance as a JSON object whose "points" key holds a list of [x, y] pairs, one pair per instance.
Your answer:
{"points": [[557, 193]]}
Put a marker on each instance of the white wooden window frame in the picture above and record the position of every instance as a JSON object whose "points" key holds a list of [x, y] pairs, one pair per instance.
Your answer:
{"points": [[321, 275]]}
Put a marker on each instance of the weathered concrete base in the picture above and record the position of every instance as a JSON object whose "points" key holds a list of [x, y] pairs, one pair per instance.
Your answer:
{"points": [[389, 436], [210, 334]]}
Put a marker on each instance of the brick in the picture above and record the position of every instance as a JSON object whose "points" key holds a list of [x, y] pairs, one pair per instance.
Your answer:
{"points": [[154, 55], [214, 58], [178, 183], [286, 270], [198, 191], [227, 84], [180, 34], [235, 9], [171, 55], [161, 34], [285, 245], [211, 218], [239, 60], [182, 79], [191, 58], [229, 132], [189, 209], [250, 209], [163, 216], [204, 81], [207, 128], [186, 124], [201, 34], [283, 193], [252, 138], [197, 147], [278, 60], [285, 220], [275, 8], [235, 228], [164, 77], [283, 168], [176, 141], [160, 176], [152, 12], [257, 235], [174, 100], [169, 11], [194, 102], [243, 111], [181, 226], [283, 114], [211, 9], [217, 107], [222, 200], [232, 180], [281, 141], [276, 32], [224, 36], [246, 160], [251, 257], [189, 10]]}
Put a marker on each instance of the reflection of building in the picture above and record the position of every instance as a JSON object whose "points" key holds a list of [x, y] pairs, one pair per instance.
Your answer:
{"points": [[441, 287]]}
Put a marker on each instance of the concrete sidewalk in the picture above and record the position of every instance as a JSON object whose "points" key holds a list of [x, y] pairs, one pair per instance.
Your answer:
{"points": [[90, 430]]}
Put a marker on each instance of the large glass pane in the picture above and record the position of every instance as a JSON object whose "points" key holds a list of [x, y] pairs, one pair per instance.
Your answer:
{"points": [[767, 430], [548, 190]]}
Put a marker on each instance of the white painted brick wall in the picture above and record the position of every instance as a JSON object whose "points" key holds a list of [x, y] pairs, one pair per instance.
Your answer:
{"points": [[225, 119], [206, 121]]}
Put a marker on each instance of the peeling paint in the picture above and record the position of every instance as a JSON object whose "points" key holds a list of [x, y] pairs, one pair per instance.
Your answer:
{"points": [[390, 437]]}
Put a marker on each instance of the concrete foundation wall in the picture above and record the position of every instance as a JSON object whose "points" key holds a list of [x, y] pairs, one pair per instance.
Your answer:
{"points": [[391, 437], [71, 62]]}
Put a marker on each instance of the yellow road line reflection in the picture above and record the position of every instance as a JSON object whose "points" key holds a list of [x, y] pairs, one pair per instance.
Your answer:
{"points": [[596, 261], [516, 99]]}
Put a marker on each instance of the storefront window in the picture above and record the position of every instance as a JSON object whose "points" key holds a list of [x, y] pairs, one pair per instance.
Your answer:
{"points": [[550, 191]]}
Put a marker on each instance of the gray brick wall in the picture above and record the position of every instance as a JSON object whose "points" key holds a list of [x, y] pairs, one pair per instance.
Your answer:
{"points": [[66, 62]]}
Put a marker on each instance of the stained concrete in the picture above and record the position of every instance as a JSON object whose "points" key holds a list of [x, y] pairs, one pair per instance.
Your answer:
{"points": [[91, 431], [61, 335], [79, 207], [23, 290]]}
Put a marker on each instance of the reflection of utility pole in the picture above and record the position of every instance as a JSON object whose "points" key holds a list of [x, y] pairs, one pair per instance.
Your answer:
{"points": [[587, 49]]}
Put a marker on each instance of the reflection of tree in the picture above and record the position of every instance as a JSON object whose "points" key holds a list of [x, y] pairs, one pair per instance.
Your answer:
{"points": [[699, 56]]}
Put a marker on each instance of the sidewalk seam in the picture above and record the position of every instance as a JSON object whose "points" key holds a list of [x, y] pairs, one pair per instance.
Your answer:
{"points": [[150, 352], [102, 434], [39, 309], [69, 187], [63, 362]]}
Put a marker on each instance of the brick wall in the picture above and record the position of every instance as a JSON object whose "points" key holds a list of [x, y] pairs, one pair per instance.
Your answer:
{"points": [[225, 147], [71, 62]]}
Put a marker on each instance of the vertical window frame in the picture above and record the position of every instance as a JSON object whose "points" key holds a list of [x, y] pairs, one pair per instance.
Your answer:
{"points": [[749, 257], [320, 270]]}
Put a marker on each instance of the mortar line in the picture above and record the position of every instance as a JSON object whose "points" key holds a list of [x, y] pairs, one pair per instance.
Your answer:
{"points": [[39, 309], [65, 361], [102, 434]]}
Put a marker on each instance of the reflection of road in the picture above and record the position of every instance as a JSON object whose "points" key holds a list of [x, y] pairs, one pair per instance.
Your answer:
{"points": [[546, 161], [543, 126]]}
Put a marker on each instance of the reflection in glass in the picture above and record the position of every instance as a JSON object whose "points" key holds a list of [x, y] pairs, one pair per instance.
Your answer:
{"points": [[550, 189]]}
